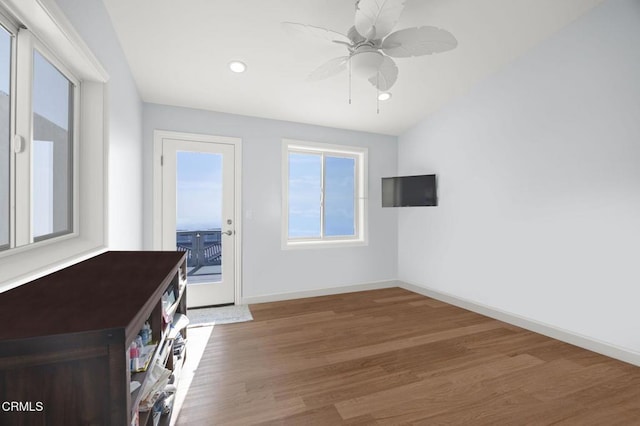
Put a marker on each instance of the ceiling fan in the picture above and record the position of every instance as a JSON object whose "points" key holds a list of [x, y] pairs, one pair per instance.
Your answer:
{"points": [[371, 45]]}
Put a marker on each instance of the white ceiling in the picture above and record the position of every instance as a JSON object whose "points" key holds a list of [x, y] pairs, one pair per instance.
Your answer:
{"points": [[178, 51]]}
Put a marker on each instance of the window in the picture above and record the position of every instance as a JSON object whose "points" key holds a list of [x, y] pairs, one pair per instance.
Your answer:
{"points": [[324, 193], [37, 107], [49, 78], [6, 43], [52, 151]]}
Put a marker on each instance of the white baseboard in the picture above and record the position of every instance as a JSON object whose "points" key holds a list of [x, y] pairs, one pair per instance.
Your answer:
{"points": [[613, 351], [319, 292]]}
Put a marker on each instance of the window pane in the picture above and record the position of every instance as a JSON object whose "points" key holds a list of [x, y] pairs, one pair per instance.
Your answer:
{"points": [[51, 169], [5, 130], [339, 202], [199, 214], [305, 186]]}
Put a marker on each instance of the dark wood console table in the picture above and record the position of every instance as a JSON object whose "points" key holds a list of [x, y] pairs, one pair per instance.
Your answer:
{"points": [[64, 338]]}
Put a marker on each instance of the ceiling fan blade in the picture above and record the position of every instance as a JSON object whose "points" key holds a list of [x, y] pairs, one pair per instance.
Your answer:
{"points": [[355, 36], [418, 41], [329, 69], [296, 29], [387, 75], [376, 18]]}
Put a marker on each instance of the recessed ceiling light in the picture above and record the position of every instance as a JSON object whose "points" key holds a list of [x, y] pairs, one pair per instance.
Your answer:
{"points": [[384, 96], [237, 66]]}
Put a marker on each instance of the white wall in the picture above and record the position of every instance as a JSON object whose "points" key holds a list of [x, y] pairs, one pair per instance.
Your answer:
{"points": [[92, 22], [267, 269], [539, 173]]}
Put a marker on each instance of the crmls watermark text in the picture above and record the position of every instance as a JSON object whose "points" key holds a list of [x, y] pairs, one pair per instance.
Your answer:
{"points": [[22, 406]]}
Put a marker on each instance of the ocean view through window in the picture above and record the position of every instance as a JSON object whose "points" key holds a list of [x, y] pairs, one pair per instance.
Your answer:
{"points": [[199, 214]]}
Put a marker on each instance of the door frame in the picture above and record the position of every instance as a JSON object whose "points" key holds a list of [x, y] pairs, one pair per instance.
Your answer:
{"points": [[158, 136]]}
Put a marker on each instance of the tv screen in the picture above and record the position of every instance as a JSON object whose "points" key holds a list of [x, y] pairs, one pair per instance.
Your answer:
{"points": [[405, 191]]}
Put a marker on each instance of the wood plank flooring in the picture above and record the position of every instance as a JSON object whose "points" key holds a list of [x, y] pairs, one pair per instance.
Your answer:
{"points": [[392, 357]]}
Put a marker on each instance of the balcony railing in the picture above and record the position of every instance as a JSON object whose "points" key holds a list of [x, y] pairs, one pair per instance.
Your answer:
{"points": [[203, 248]]}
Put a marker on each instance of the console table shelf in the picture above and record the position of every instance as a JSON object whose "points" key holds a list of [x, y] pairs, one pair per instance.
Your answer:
{"points": [[64, 338]]}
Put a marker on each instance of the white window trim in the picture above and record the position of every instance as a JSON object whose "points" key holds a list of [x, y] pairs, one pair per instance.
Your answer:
{"points": [[12, 27], [50, 26], [22, 175], [361, 225]]}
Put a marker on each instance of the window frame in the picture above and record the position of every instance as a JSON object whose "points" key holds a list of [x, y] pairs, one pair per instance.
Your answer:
{"points": [[65, 49], [27, 44], [12, 28], [360, 155]]}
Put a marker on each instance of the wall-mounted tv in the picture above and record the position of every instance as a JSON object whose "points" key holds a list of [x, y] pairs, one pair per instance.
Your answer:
{"points": [[405, 191]]}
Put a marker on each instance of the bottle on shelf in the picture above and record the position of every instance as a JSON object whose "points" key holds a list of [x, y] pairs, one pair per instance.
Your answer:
{"points": [[145, 333], [134, 356]]}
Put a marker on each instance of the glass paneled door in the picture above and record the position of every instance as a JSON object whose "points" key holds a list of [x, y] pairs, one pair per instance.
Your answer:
{"points": [[198, 214]]}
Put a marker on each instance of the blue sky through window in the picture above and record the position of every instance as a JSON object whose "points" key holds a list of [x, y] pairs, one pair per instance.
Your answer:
{"points": [[50, 87], [5, 67], [5, 60], [51, 148], [339, 193], [305, 186], [199, 191], [51, 92]]}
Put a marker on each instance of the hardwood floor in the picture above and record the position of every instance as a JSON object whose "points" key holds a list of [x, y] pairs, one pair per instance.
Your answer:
{"points": [[392, 357]]}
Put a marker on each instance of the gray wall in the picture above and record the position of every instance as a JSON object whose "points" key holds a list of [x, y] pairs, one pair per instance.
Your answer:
{"points": [[268, 269], [91, 20], [539, 172]]}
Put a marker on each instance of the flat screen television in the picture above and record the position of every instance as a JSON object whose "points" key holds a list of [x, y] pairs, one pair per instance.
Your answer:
{"points": [[406, 191]]}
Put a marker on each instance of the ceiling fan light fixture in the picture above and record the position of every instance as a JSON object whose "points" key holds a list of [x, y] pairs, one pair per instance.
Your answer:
{"points": [[373, 44], [366, 63], [237, 66]]}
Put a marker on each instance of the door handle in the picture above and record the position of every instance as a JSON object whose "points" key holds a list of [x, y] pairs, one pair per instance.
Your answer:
{"points": [[229, 232]]}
